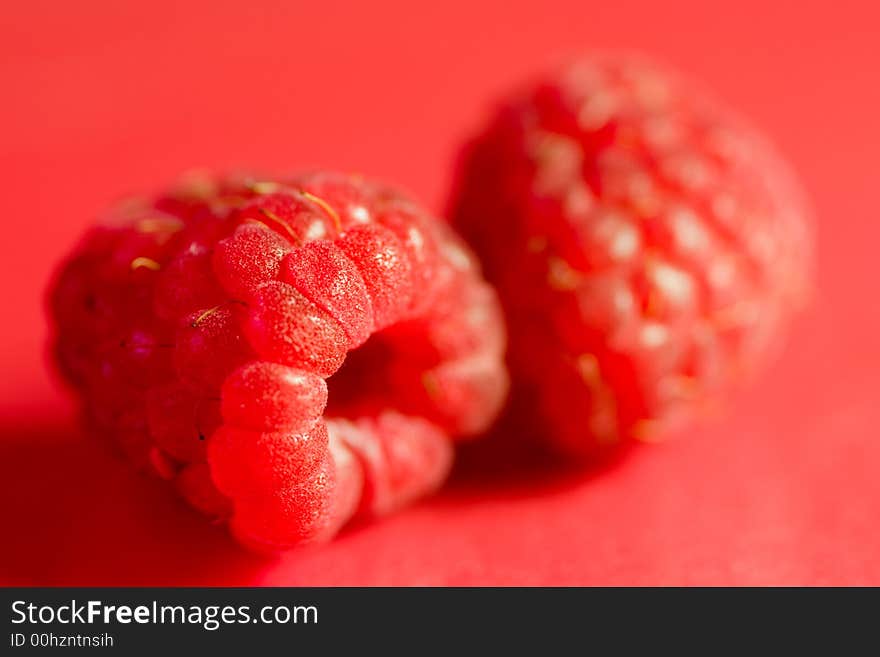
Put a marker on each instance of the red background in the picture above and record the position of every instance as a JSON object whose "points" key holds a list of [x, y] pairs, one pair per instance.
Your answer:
{"points": [[106, 98]]}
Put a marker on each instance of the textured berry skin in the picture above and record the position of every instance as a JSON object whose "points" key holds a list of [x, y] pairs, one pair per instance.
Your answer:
{"points": [[289, 354], [659, 244]]}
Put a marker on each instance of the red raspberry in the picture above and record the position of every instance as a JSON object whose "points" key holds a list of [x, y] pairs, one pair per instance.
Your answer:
{"points": [[647, 246], [205, 331]]}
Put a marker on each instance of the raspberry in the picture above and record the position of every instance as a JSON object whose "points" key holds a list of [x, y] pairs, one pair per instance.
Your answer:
{"points": [[285, 327], [289, 354], [250, 256], [325, 275], [660, 246]]}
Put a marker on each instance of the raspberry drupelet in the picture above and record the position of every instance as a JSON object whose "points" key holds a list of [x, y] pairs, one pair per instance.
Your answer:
{"points": [[660, 246], [208, 334]]}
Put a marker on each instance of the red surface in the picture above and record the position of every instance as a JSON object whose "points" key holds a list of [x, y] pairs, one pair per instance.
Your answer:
{"points": [[106, 98]]}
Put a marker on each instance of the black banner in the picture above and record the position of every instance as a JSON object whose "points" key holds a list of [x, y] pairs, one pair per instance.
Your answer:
{"points": [[330, 621]]}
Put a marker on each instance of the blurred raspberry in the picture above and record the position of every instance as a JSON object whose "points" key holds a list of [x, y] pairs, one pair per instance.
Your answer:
{"points": [[647, 244], [206, 330]]}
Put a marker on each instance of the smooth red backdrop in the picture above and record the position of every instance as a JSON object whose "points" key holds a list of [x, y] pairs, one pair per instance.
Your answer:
{"points": [[104, 98]]}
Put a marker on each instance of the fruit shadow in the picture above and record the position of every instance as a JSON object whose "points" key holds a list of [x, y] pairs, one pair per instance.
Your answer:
{"points": [[512, 460], [72, 516]]}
